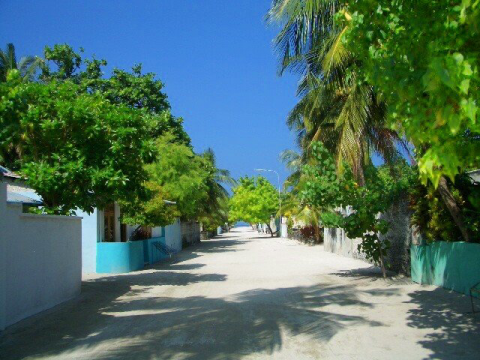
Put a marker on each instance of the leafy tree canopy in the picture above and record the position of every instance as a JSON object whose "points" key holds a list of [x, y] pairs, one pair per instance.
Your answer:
{"points": [[76, 149], [133, 89], [424, 61], [178, 175], [254, 201], [323, 189]]}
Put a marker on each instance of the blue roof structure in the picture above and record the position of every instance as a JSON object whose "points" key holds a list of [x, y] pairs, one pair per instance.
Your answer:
{"points": [[16, 198]]}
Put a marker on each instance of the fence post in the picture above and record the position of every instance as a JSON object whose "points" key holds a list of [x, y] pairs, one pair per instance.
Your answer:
{"points": [[3, 249]]}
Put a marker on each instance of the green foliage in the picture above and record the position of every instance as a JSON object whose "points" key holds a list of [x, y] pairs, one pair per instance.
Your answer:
{"points": [[180, 176], [254, 201], [335, 108], [217, 216], [361, 205], [27, 66], [133, 89], [424, 61], [214, 211], [431, 216], [76, 149], [151, 209], [84, 141], [192, 181]]}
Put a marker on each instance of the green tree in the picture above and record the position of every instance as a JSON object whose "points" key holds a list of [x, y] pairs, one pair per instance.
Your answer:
{"points": [[254, 200], [214, 211], [133, 89], [27, 66], [424, 61], [345, 204], [75, 149], [292, 205], [178, 175], [335, 108]]}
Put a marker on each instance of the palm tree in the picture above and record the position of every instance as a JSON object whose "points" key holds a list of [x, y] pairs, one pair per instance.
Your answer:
{"points": [[334, 107], [215, 209], [27, 66], [293, 161], [292, 206]]}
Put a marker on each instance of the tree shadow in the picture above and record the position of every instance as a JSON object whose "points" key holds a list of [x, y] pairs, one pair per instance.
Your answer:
{"points": [[174, 266], [457, 330], [110, 322], [373, 274]]}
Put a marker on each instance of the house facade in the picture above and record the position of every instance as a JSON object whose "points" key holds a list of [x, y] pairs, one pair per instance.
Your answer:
{"points": [[108, 246]]}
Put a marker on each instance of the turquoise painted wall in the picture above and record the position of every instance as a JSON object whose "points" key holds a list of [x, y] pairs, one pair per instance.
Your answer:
{"points": [[151, 254], [119, 257], [454, 266], [122, 257]]}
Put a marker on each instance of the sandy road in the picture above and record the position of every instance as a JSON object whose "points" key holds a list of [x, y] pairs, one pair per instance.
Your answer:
{"points": [[247, 296]]}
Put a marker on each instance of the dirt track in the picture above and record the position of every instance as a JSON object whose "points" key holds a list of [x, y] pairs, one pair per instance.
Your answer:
{"points": [[248, 296]]}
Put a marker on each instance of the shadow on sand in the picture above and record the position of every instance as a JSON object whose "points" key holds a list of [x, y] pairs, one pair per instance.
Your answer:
{"points": [[457, 334], [109, 322]]}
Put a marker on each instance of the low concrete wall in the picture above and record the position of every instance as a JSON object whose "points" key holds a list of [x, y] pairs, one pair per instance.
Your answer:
{"points": [[190, 232], [42, 261], [119, 257], [454, 266], [151, 254], [337, 242], [123, 257], [401, 235]]}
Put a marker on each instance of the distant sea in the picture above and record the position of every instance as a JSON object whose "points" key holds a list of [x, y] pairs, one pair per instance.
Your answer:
{"points": [[241, 224]]}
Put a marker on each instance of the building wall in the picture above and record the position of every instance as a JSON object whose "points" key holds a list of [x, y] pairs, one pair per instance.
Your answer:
{"points": [[43, 262], [173, 235], [158, 232], [90, 237]]}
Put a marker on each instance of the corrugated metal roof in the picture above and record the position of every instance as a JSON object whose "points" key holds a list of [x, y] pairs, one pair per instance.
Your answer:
{"points": [[17, 198], [7, 173]]}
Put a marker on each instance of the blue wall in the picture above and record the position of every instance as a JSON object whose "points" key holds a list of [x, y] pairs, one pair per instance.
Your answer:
{"points": [[119, 257], [452, 265], [151, 254], [122, 257]]}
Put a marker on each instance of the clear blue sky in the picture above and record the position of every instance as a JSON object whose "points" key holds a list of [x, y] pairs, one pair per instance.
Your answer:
{"points": [[214, 56]]}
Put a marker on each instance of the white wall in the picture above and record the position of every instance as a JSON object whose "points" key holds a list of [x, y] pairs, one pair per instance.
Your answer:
{"points": [[157, 231], [130, 230], [90, 237], [284, 227], [173, 235], [43, 261]]}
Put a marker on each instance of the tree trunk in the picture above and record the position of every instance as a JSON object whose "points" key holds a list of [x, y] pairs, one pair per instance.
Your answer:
{"points": [[270, 229], [382, 263], [317, 234], [452, 207]]}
